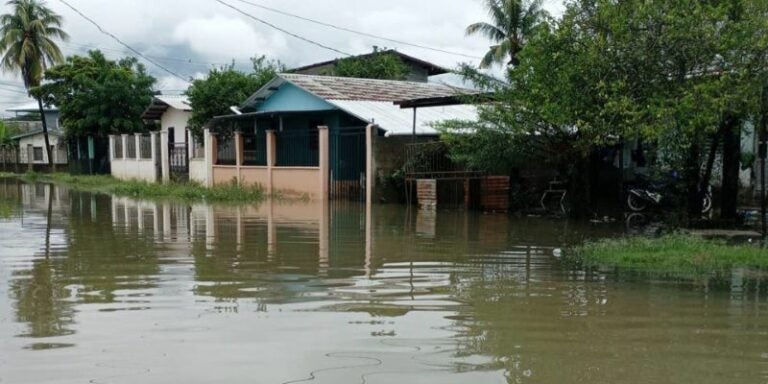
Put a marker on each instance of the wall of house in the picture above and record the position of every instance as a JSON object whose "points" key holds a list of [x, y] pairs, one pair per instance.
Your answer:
{"points": [[38, 141], [178, 120], [291, 98]]}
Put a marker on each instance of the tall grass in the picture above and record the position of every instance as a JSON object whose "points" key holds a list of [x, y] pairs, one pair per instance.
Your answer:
{"points": [[140, 189], [671, 254]]}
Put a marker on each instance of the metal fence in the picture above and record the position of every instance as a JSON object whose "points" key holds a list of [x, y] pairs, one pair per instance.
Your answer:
{"points": [[130, 147], [119, 153], [431, 160], [225, 151], [348, 157], [145, 147], [298, 148], [255, 149]]}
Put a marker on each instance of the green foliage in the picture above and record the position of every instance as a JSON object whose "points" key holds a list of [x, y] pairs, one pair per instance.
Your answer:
{"points": [[225, 87], [98, 97], [512, 22], [173, 191], [27, 39], [663, 71], [674, 254], [384, 65], [7, 131]]}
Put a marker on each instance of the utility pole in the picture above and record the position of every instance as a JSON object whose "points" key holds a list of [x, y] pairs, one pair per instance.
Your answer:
{"points": [[762, 149]]}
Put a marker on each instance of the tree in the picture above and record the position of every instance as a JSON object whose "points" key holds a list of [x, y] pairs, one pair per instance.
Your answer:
{"points": [[678, 74], [512, 22], [225, 87], [27, 40], [97, 96], [383, 65]]}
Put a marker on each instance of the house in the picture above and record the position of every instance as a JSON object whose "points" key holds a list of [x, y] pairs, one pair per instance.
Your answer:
{"points": [[51, 115], [420, 70], [32, 149], [171, 152], [324, 137], [31, 142]]}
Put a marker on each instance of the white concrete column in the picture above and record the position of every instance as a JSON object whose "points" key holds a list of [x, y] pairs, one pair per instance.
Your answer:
{"points": [[124, 138], [165, 162], [371, 131], [238, 154], [209, 157], [271, 158], [190, 144], [137, 137], [324, 161], [111, 148]]}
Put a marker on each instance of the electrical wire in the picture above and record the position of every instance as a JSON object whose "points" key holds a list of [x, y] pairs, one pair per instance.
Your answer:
{"points": [[366, 34], [102, 30], [244, 13]]}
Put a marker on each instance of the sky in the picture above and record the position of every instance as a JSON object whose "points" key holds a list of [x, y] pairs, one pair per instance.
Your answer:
{"points": [[188, 37]]}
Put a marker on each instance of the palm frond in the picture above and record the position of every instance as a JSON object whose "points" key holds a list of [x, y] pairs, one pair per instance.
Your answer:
{"points": [[491, 32]]}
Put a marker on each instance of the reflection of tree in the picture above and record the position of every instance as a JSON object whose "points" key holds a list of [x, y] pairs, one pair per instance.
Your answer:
{"points": [[39, 301], [40, 295]]}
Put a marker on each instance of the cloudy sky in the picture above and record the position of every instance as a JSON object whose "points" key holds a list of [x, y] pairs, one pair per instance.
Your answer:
{"points": [[190, 36]]}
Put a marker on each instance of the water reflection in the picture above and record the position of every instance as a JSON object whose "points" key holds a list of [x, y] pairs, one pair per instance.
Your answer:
{"points": [[122, 290]]}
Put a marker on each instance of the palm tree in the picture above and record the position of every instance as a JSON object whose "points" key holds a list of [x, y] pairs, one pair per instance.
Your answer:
{"points": [[27, 37], [512, 22]]}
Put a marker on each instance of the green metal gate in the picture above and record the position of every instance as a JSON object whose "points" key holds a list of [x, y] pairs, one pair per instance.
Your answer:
{"points": [[348, 158]]}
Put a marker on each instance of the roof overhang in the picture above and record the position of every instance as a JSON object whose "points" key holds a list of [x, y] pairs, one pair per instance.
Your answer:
{"points": [[157, 108]]}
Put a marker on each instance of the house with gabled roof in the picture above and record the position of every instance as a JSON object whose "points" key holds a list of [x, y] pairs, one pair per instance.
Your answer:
{"points": [[318, 135]]}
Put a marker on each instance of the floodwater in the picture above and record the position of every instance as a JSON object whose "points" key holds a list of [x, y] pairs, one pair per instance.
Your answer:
{"points": [[99, 289]]}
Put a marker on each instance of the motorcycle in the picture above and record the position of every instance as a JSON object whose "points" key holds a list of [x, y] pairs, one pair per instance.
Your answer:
{"points": [[640, 198]]}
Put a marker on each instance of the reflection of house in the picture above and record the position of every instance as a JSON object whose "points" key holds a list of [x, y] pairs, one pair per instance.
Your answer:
{"points": [[420, 70], [307, 134]]}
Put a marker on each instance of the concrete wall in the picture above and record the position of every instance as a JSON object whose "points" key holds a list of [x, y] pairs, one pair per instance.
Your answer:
{"points": [[134, 168], [297, 181], [198, 171], [309, 182]]}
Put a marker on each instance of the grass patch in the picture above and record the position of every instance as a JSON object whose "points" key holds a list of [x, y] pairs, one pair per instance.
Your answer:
{"points": [[140, 189], [670, 254]]}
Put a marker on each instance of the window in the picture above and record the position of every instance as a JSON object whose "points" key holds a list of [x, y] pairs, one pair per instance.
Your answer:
{"points": [[37, 153]]}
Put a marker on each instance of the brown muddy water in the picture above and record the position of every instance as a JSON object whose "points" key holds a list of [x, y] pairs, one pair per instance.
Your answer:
{"points": [[100, 289]]}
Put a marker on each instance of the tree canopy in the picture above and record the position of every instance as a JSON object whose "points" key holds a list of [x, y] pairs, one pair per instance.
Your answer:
{"points": [[225, 87], [383, 65], [96, 96], [671, 72], [512, 21]]}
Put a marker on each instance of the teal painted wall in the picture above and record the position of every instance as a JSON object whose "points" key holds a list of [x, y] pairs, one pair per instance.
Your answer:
{"points": [[290, 98]]}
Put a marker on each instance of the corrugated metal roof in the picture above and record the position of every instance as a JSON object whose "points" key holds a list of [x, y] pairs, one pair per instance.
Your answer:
{"points": [[177, 102], [397, 121], [349, 88], [51, 132]]}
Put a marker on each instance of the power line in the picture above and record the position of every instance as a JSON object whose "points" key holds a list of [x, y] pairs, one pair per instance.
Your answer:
{"points": [[280, 29], [329, 25], [102, 30], [161, 58]]}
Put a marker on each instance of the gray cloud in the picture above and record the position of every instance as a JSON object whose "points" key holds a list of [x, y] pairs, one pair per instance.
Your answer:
{"points": [[190, 36]]}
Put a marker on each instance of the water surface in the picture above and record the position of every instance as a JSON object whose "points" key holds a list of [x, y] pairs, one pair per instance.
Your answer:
{"points": [[102, 289]]}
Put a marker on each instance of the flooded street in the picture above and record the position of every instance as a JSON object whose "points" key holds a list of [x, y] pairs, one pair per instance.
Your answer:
{"points": [[103, 289]]}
